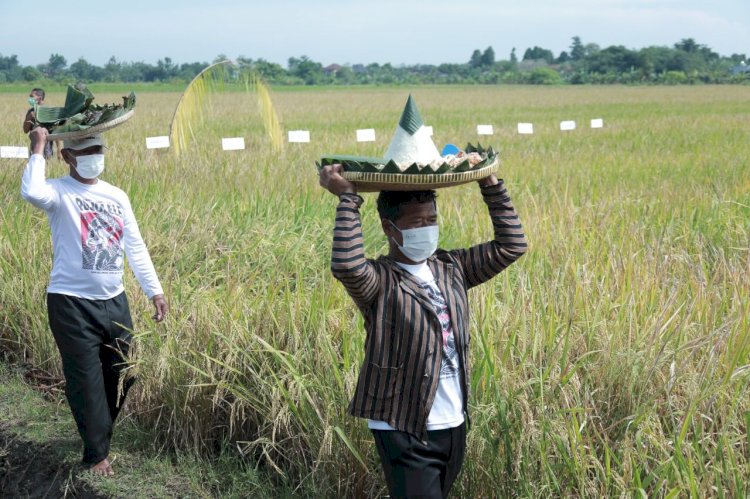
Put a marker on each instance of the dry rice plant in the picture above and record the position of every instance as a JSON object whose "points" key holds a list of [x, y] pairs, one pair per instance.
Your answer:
{"points": [[613, 360], [191, 108]]}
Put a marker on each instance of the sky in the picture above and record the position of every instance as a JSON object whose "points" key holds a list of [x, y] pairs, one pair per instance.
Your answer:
{"points": [[356, 31]]}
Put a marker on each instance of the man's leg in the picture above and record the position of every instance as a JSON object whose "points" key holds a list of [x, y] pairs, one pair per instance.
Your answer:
{"points": [[75, 324], [412, 468], [114, 353], [456, 456]]}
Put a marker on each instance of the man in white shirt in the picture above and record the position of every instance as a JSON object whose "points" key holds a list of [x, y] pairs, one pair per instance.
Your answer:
{"points": [[93, 230]]}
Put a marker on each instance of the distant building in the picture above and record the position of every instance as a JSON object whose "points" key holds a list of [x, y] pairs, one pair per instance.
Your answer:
{"points": [[740, 68], [332, 69]]}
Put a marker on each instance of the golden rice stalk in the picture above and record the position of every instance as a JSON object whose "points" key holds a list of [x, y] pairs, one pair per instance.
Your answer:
{"points": [[190, 107], [196, 99], [270, 118]]}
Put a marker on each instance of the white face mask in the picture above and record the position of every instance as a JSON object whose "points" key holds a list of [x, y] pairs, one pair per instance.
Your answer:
{"points": [[90, 166], [419, 243]]}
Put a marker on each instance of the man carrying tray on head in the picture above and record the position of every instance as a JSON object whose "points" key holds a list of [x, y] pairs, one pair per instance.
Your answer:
{"points": [[413, 386], [93, 229]]}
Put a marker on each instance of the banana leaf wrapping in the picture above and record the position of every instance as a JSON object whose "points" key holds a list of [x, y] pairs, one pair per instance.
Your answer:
{"points": [[80, 115], [371, 174]]}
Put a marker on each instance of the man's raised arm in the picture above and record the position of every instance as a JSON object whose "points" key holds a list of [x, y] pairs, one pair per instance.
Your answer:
{"points": [[34, 186], [348, 262], [484, 261]]}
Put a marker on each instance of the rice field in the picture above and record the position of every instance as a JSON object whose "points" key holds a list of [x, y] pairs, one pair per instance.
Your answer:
{"points": [[612, 360]]}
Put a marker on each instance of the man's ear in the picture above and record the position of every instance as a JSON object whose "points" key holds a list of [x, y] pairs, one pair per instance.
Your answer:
{"points": [[387, 227], [68, 158], [391, 232]]}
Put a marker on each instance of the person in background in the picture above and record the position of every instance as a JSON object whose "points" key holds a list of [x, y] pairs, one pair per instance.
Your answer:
{"points": [[413, 386], [93, 230], [36, 98]]}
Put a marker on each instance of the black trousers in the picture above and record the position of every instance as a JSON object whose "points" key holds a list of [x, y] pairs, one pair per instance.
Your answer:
{"points": [[93, 337], [421, 469]]}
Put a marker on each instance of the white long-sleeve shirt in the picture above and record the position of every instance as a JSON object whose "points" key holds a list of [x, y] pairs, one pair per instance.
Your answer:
{"points": [[93, 229]]}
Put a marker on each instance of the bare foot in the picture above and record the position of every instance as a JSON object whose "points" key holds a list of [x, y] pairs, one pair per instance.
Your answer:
{"points": [[102, 468]]}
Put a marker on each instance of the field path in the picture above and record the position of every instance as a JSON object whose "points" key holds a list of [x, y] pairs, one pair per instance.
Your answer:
{"points": [[28, 469], [40, 452]]}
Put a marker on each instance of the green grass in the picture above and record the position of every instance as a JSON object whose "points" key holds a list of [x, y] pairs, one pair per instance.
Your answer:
{"points": [[612, 360]]}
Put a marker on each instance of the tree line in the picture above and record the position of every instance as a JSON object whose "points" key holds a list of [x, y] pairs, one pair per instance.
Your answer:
{"points": [[686, 62]]}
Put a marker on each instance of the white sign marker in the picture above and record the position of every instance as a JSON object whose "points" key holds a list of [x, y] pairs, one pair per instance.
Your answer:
{"points": [[299, 136], [233, 144], [14, 152], [429, 130], [366, 135], [567, 125], [526, 128], [485, 130], [157, 142], [597, 123]]}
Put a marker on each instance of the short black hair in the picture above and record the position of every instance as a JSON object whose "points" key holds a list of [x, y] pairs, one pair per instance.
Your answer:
{"points": [[390, 202], [39, 91]]}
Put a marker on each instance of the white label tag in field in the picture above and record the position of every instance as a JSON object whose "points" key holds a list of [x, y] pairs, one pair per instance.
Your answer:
{"points": [[429, 130], [485, 130], [233, 144], [14, 152], [157, 142], [299, 135], [526, 128], [366, 135], [567, 125], [597, 123]]}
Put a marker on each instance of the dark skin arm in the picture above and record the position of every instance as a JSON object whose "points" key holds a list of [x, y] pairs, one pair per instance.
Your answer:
{"points": [[331, 179], [487, 181], [160, 304], [28, 121], [38, 137]]}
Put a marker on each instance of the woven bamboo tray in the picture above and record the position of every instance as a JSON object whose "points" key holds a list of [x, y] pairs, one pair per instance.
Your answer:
{"points": [[371, 181], [88, 132]]}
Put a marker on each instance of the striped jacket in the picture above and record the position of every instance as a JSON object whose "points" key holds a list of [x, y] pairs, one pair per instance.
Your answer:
{"points": [[399, 376]]}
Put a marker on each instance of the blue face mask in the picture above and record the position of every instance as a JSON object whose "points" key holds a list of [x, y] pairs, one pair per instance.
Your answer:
{"points": [[419, 243], [32, 101]]}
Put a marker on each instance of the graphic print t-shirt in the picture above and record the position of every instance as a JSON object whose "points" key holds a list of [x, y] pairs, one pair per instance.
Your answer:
{"points": [[447, 409], [93, 230], [101, 241]]}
